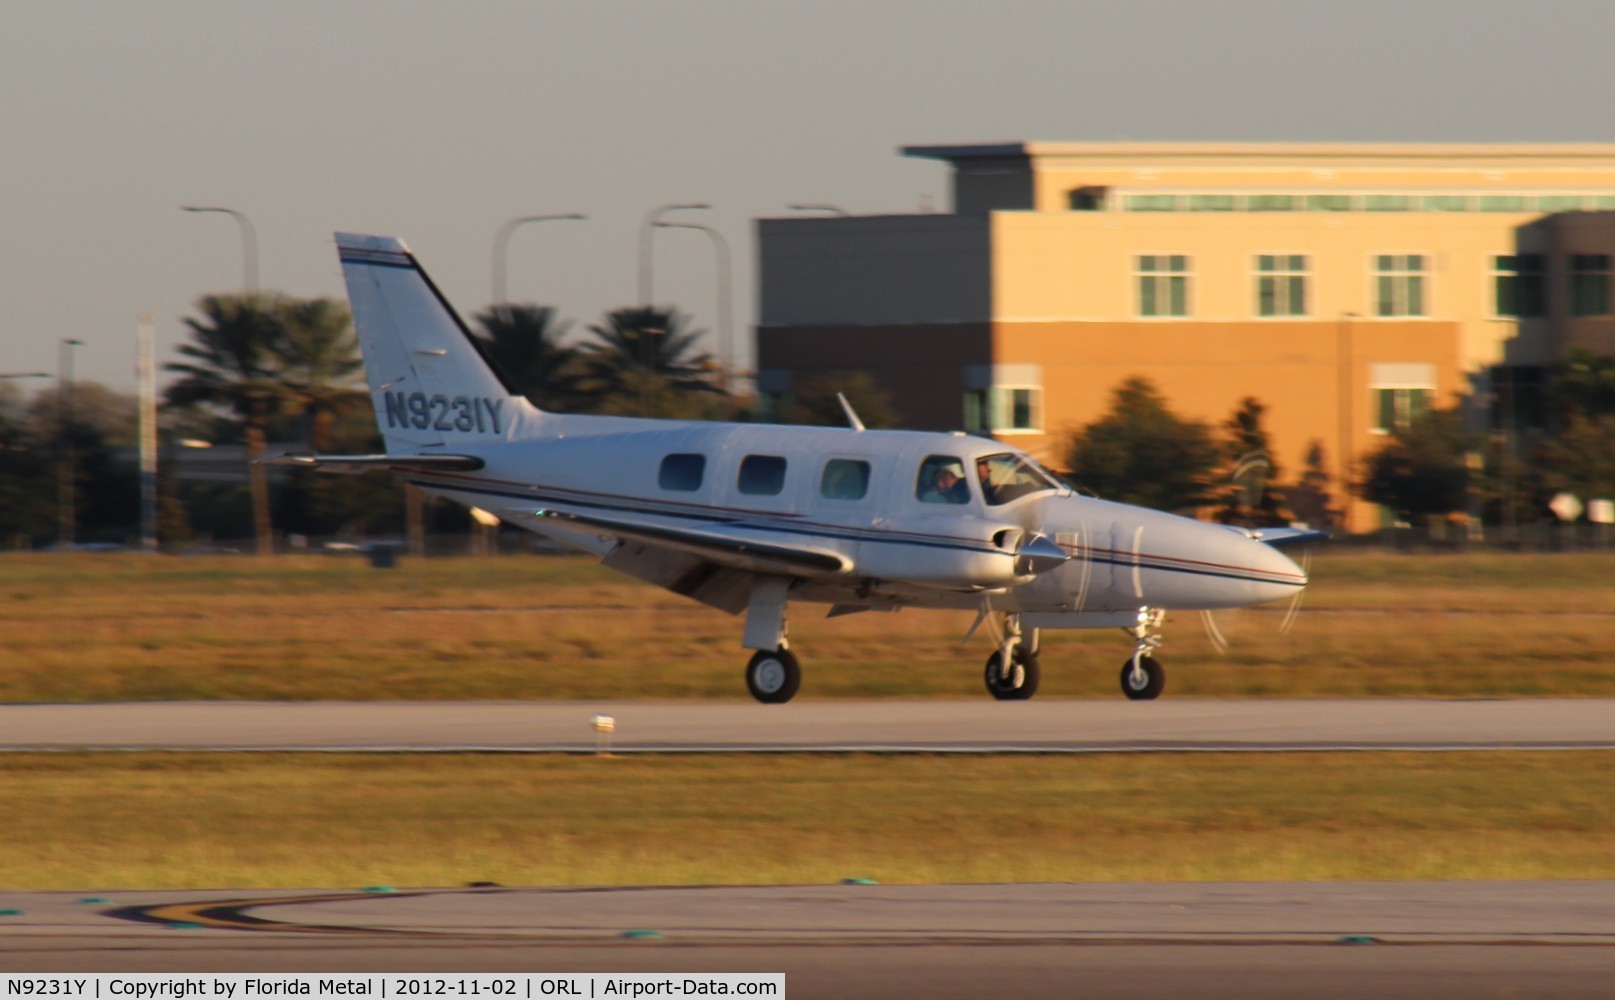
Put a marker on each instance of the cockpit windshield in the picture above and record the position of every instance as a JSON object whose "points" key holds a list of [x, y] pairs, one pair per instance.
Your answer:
{"points": [[1009, 477]]}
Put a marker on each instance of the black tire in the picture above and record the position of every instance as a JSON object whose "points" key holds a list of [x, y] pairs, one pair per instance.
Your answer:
{"points": [[773, 676], [1154, 679], [1021, 683]]}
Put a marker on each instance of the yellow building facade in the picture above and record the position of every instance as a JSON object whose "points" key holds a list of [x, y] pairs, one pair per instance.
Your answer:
{"points": [[1345, 287]]}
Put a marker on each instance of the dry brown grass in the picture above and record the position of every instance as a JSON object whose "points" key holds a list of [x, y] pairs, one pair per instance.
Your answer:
{"points": [[91, 628], [191, 820]]}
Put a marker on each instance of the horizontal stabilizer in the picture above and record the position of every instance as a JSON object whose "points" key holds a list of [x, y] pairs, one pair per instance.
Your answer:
{"points": [[727, 548], [352, 465]]}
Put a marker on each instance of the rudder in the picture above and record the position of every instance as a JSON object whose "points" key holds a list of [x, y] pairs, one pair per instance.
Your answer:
{"points": [[429, 379]]}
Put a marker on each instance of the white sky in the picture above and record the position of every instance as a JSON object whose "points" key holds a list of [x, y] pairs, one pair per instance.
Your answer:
{"points": [[437, 122]]}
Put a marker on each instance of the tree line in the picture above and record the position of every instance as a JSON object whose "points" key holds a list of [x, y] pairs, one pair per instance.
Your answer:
{"points": [[1435, 467], [262, 368], [268, 368]]}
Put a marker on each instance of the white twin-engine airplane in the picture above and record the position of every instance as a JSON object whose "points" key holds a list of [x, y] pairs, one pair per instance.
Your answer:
{"points": [[749, 517]]}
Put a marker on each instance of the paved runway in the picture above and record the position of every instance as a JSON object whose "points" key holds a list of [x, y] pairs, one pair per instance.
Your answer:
{"points": [[1475, 939], [931, 726], [1206, 940]]}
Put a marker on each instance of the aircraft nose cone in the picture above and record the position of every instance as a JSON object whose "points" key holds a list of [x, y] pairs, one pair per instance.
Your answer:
{"points": [[1275, 576]]}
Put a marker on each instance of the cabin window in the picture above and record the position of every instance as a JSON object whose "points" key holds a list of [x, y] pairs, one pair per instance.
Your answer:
{"points": [[942, 480], [762, 475], [1009, 477], [844, 479], [682, 472]]}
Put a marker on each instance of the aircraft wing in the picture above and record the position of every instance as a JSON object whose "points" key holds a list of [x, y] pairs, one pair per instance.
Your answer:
{"points": [[1280, 537], [352, 465], [736, 546]]}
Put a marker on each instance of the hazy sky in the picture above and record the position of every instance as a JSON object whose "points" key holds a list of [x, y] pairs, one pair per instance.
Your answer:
{"points": [[437, 122]]}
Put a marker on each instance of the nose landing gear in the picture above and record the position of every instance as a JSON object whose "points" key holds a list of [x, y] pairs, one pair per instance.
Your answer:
{"points": [[1143, 677], [1012, 672]]}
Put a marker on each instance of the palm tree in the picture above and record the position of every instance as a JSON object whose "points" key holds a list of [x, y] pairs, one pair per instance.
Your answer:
{"points": [[524, 342], [645, 353], [232, 367], [317, 360]]}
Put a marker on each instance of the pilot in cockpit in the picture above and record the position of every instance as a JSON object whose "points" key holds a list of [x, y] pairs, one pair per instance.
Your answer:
{"points": [[947, 483]]}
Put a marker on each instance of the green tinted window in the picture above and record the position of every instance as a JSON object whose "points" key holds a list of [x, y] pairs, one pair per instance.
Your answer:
{"points": [[844, 479]]}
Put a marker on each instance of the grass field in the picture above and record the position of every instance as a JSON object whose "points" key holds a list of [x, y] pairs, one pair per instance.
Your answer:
{"points": [[108, 821], [93, 628]]}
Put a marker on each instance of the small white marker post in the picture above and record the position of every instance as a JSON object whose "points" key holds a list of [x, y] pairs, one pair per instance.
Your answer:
{"points": [[604, 726]]}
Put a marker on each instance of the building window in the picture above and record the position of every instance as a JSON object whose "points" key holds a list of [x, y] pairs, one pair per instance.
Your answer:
{"points": [[1281, 285], [1399, 284], [682, 473], [1559, 203], [1519, 398], [1395, 408], [1273, 203], [1503, 203], [1088, 199], [1589, 284], [1163, 285], [1003, 408], [1446, 203], [1329, 203], [1152, 203], [1213, 203], [1520, 282], [1388, 203], [844, 479]]}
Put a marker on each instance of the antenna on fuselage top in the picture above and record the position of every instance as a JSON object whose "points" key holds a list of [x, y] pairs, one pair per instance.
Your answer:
{"points": [[852, 416]]}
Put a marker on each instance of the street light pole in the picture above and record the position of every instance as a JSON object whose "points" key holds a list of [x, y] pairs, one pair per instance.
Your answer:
{"points": [[1345, 390], [66, 515], [645, 229], [501, 247], [249, 244], [720, 251]]}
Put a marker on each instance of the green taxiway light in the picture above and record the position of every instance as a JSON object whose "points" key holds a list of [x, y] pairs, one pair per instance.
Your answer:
{"points": [[379, 888], [642, 935], [859, 881]]}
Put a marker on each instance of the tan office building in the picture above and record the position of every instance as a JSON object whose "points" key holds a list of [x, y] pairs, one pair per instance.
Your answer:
{"points": [[1344, 286]]}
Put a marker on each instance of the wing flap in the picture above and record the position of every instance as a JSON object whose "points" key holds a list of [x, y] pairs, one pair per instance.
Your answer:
{"points": [[353, 465], [733, 548]]}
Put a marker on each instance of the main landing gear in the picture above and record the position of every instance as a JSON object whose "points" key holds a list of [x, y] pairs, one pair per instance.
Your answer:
{"points": [[1143, 677], [773, 676], [1012, 672]]}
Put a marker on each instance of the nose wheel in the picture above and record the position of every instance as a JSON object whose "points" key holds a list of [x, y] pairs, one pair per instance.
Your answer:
{"points": [[1142, 678], [1142, 674]]}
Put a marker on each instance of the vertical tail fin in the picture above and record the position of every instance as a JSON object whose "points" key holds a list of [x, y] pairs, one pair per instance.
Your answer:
{"points": [[430, 381]]}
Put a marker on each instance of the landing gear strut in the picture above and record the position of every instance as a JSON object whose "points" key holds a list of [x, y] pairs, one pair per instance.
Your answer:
{"points": [[773, 675], [1143, 677], [1012, 672]]}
